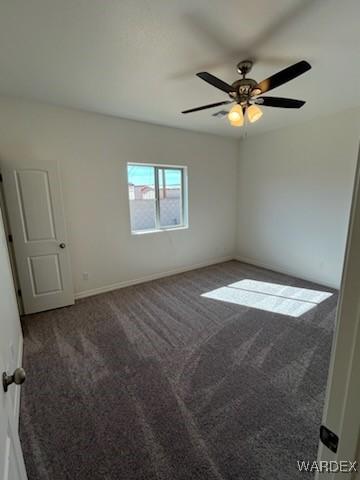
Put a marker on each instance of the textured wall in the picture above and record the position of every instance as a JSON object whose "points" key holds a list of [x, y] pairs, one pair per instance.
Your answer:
{"points": [[294, 196], [92, 151]]}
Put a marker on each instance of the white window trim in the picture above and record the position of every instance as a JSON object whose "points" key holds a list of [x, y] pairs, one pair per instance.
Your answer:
{"points": [[159, 230], [184, 198]]}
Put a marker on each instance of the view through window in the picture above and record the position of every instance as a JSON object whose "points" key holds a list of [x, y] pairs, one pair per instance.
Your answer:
{"points": [[156, 197]]}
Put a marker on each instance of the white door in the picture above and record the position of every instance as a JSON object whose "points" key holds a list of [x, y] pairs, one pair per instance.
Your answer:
{"points": [[11, 460], [342, 405], [35, 209]]}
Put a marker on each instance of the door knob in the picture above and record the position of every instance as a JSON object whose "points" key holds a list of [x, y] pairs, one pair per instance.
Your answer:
{"points": [[18, 377], [62, 245]]}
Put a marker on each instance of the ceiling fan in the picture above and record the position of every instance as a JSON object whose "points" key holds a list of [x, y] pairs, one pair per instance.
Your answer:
{"points": [[245, 92]]}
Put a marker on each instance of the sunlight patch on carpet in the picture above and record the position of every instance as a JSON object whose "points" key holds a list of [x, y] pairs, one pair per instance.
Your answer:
{"points": [[271, 297]]}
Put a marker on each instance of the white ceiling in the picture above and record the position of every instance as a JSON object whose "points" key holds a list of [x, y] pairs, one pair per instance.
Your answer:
{"points": [[138, 59]]}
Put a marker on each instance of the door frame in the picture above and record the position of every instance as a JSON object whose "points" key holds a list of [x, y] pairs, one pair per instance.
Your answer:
{"points": [[341, 411], [10, 247]]}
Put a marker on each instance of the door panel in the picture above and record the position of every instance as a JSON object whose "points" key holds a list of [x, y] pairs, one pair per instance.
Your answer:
{"points": [[34, 203], [11, 460], [45, 274], [33, 196], [14, 468]]}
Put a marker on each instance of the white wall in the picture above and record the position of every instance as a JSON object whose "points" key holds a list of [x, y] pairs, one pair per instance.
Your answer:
{"points": [[293, 191], [92, 151], [294, 195]]}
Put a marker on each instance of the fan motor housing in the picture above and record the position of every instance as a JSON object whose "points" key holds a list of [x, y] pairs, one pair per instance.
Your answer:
{"points": [[244, 67], [243, 89]]}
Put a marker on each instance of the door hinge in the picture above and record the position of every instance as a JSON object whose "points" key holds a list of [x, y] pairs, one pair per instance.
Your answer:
{"points": [[19, 292], [10, 238], [329, 438], [1, 177]]}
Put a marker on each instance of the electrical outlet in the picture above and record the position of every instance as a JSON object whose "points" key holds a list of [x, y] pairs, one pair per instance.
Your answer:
{"points": [[85, 276]]}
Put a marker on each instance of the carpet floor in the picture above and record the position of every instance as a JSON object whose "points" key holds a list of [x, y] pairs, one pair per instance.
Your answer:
{"points": [[213, 374]]}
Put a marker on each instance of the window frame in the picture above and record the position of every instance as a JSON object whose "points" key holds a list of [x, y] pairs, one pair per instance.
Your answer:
{"points": [[184, 197]]}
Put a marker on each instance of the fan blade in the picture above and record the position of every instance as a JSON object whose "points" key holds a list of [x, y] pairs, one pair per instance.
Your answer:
{"points": [[215, 82], [279, 102], [211, 105], [283, 76]]}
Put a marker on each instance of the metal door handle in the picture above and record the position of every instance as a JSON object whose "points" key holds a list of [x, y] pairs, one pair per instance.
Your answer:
{"points": [[62, 245], [18, 377]]}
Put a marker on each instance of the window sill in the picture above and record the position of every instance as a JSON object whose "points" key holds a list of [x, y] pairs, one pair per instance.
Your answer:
{"points": [[160, 230]]}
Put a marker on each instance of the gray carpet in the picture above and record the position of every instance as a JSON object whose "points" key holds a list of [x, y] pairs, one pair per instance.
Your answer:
{"points": [[158, 382]]}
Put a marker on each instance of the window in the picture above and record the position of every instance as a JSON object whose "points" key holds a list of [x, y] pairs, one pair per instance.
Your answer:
{"points": [[157, 197]]}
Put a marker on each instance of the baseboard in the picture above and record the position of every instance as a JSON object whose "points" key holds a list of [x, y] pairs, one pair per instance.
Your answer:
{"points": [[149, 278], [275, 268]]}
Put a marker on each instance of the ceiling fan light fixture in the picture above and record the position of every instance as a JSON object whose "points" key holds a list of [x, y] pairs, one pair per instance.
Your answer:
{"points": [[236, 116], [237, 123], [245, 92], [254, 113], [255, 91]]}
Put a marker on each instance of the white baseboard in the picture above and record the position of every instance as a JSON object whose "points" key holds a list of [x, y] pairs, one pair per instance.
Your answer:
{"points": [[258, 263], [275, 268], [148, 278]]}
